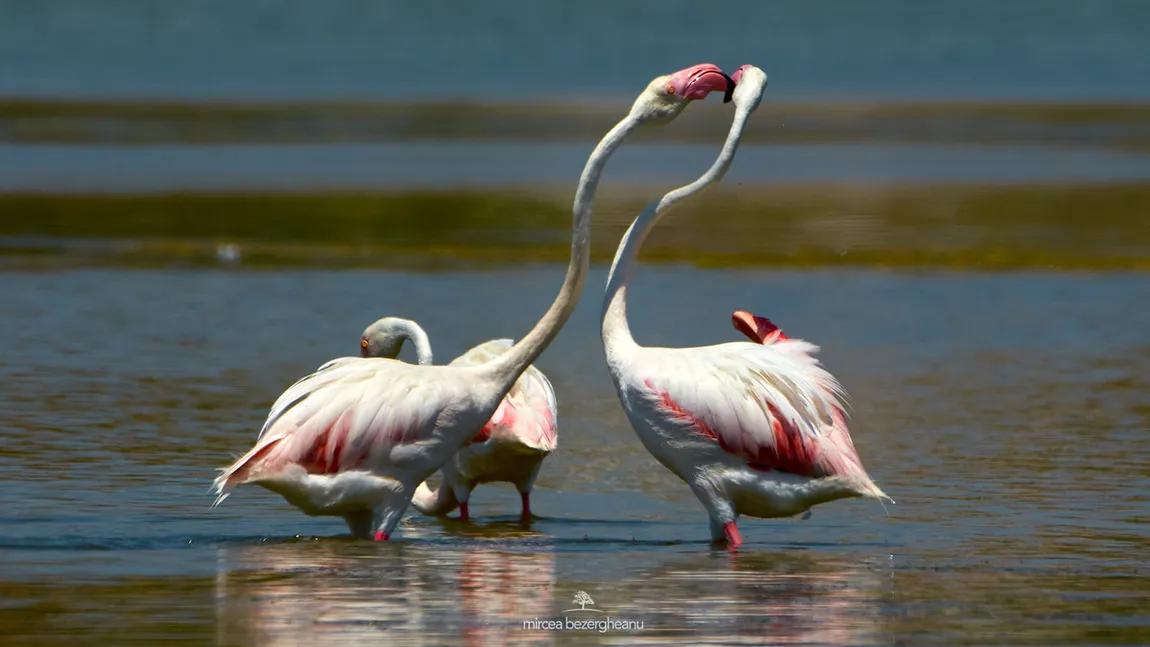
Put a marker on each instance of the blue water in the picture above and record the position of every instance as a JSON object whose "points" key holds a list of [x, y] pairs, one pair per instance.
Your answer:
{"points": [[503, 49], [1005, 413]]}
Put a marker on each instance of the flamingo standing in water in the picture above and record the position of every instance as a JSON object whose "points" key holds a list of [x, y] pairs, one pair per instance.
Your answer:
{"points": [[754, 429], [510, 447], [356, 437]]}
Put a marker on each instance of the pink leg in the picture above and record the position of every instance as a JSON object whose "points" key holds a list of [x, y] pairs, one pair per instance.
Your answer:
{"points": [[526, 497], [463, 512], [381, 535], [734, 539]]}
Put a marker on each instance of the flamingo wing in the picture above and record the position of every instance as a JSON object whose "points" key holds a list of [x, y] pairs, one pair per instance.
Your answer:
{"points": [[483, 353], [529, 410], [772, 405], [353, 413], [304, 387]]}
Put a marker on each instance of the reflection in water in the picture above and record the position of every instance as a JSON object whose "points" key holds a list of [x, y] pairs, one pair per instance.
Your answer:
{"points": [[501, 590], [329, 592], [766, 598], [332, 592]]}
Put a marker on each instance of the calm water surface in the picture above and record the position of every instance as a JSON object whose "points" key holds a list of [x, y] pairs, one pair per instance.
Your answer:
{"points": [[520, 49], [1006, 413]]}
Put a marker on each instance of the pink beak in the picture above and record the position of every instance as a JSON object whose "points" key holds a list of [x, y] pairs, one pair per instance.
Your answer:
{"points": [[758, 329], [697, 81]]}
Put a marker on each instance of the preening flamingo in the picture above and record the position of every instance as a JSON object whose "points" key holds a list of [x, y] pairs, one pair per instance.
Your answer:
{"points": [[754, 429], [510, 447], [356, 437]]}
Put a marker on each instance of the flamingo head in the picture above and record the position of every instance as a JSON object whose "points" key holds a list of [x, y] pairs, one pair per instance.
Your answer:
{"points": [[749, 83], [667, 96], [383, 338], [760, 329]]}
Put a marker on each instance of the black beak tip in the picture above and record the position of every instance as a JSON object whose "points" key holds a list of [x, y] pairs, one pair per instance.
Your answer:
{"points": [[730, 88]]}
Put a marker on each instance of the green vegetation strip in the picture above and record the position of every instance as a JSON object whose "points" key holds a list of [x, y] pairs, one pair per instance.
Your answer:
{"points": [[1112, 125], [1105, 227]]}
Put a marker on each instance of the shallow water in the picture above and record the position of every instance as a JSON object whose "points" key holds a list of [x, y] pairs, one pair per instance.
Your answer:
{"points": [[1006, 413]]}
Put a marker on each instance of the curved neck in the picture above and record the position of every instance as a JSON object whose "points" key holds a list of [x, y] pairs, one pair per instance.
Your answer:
{"points": [[511, 364], [415, 333], [616, 333]]}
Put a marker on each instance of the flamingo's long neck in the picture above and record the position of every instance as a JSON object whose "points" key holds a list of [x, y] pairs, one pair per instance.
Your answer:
{"points": [[616, 331], [510, 365], [422, 344], [617, 339]]}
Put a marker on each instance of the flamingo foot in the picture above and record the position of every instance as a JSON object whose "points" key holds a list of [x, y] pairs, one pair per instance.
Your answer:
{"points": [[731, 532], [463, 516], [526, 516], [381, 535]]}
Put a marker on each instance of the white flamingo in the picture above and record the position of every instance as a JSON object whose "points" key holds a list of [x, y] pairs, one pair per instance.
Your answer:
{"points": [[754, 429], [511, 446], [356, 437]]}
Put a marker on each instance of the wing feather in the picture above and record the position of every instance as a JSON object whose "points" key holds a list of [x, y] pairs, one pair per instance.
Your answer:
{"points": [[303, 387], [350, 414], [529, 411], [771, 405]]}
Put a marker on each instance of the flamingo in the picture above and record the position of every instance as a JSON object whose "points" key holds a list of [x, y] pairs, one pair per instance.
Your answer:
{"points": [[356, 437], [510, 447], [754, 429]]}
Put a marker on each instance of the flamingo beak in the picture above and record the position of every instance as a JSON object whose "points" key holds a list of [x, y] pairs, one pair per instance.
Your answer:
{"points": [[700, 80], [730, 91]]}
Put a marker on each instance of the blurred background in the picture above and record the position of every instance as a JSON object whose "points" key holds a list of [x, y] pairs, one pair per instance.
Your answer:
{"points": [[912, 131], [202, 201]]}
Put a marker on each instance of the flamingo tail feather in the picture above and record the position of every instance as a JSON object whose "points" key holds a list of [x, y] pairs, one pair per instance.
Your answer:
{"points": [[239, 470]]}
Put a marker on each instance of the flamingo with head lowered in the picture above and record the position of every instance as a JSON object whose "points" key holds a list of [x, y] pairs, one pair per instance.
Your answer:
{"points": [[355, 438], [510, 447], [754, 429]]}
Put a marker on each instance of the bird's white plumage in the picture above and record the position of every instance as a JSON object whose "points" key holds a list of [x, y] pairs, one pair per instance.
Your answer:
{"points": [[362, 425], [771, 406], [528, 414], [510, 447], [323, 376], [755, 429]]}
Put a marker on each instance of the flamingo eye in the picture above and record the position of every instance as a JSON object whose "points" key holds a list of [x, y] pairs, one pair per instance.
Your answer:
{"points": [[363, 343], [670, 88]]}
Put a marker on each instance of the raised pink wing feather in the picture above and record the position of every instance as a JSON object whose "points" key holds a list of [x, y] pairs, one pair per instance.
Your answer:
{"points": [[529, 412], [772, 405]]}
